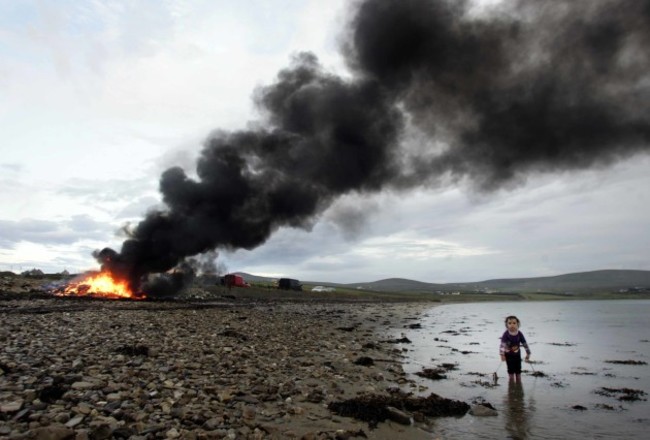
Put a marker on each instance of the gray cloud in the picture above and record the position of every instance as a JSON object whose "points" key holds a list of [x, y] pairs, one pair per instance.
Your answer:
{"points": [[138, 206], [49, 232], [552, 225], [97, 191], [12, 167]]}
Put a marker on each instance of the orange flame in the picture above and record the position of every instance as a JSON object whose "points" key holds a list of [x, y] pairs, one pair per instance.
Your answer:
{"points": [[101, 285]]}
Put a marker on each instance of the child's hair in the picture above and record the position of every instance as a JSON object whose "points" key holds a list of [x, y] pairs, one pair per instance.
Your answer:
{"points": [[512, 317]]}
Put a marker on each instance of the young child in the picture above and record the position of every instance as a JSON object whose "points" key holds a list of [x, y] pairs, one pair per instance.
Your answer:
{"points": [[511, 340]]}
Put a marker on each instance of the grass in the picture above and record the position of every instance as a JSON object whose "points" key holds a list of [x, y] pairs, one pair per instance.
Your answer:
{"points": [[272, 293], [264, 292]]}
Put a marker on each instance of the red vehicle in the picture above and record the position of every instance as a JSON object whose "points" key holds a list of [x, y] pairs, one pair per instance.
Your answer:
{"points": [[234, 280]]}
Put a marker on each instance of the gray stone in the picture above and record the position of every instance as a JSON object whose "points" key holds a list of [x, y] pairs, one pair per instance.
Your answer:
{"points": [[10, 407], [74, 421], [212, 424], [52, 432], [398, 416], [82, 385], [102, 432], [22, 415], [482, 411]]}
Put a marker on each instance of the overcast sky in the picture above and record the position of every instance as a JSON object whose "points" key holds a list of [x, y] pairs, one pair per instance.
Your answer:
{"points": [[97, 99]]}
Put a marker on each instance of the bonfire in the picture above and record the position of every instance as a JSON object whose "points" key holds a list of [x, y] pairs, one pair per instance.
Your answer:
{"points": [[99, 285]]}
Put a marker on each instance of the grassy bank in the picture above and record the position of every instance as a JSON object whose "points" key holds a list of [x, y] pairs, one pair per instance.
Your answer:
{"points": [[345, 294]]}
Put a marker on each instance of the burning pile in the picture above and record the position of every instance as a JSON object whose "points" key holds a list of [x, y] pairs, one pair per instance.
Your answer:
{"points": [[99, 285]]}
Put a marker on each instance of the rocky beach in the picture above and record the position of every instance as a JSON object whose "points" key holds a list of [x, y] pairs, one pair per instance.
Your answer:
{"points": [[232, 368]]}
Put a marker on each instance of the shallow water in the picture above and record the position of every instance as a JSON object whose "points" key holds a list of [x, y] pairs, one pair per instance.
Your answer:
{"points": [[573, 344]]}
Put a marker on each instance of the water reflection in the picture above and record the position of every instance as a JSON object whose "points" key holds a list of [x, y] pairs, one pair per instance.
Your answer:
{"points": [[517, 413]]}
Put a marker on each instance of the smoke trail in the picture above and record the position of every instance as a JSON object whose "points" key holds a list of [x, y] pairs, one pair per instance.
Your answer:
{"points": [[534, 86], [325, 137], [523, 88]]}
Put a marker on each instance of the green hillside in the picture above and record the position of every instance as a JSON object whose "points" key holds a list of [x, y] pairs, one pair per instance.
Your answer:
{"points": [[600, 281], [573, 283]]}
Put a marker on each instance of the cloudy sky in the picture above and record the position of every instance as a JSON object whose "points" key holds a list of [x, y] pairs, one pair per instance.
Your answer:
{"points": [[97, 99]]}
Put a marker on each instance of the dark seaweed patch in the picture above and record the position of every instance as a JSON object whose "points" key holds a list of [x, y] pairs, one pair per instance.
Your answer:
{"points": [[448, 367], [622, 394], [133, 350], [365, 361], [373, 408], [485, 384], [403, 340], [432, 373], [627, 362]]}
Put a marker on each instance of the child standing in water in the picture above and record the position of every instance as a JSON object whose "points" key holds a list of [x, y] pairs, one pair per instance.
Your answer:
{"points": [[511, 340]]}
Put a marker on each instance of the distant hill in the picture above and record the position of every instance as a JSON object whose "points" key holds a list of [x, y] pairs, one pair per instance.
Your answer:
{"points": [[609, 280], [399, 285], [582, 282], [600, 280]]}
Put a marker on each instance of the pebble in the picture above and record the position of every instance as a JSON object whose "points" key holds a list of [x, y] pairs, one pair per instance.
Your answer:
{"points": [[74, 421], [13, 406]]}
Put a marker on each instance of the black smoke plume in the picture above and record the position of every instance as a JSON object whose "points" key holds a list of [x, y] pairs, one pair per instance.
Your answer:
{"points": [[531, 86], [527, 86]]}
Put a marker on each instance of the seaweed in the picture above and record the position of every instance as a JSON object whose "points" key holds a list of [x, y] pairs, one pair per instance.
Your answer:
{"points": [[403, 340], [365, 361], [622, 394], [374, 408], [626, 362], [133, 350], [432, 373]]}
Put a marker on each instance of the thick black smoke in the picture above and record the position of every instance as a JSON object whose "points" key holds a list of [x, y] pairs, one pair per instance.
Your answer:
{"points": [[325, 137], [531, 87]]}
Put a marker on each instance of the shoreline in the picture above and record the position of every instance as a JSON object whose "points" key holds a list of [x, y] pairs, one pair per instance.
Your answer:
{"points": [[226, 369]]}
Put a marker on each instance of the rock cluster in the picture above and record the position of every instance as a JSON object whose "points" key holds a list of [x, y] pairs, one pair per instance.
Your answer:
{"points": [[164, 370], [21, 285]]}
